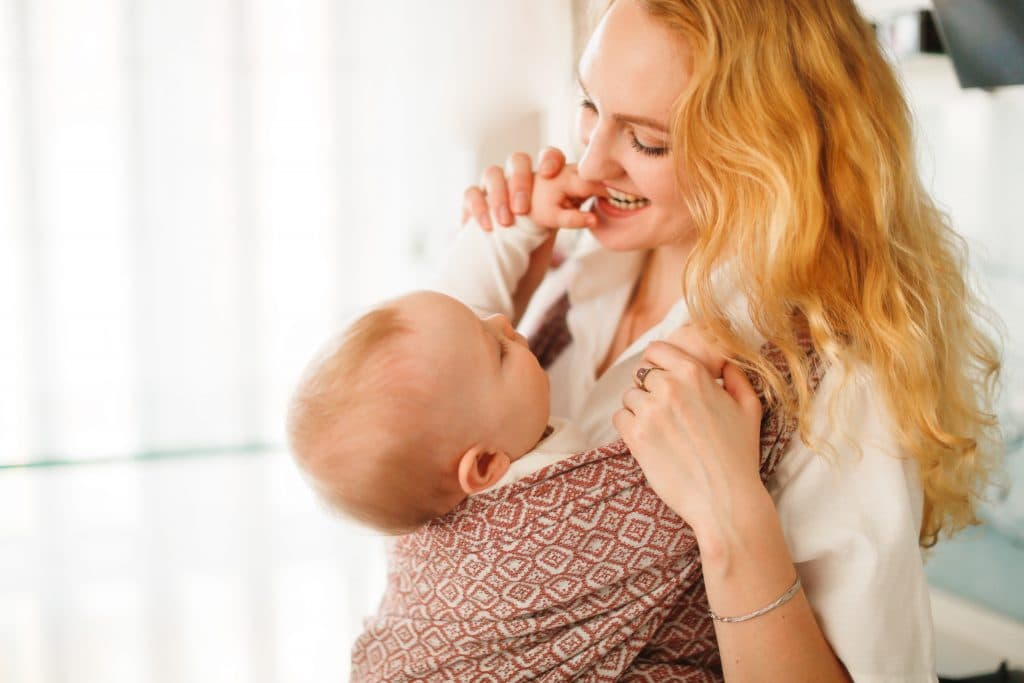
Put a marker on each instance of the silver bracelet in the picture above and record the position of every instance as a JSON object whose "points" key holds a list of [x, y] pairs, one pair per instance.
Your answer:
{"points": [[778, 602]]}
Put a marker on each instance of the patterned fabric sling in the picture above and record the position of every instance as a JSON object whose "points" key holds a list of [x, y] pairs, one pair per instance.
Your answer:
{"points": [[577, 572]]}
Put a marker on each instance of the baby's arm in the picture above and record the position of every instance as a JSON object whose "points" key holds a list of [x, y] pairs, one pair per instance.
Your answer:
{"points": [[483, 269]]}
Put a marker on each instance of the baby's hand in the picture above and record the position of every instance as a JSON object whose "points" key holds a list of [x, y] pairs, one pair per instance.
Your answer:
{"points": [[556, 201]]}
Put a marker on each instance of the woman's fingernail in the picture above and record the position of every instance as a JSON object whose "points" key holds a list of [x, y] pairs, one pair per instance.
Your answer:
{"points": [[484, 220], [548, 167], [504, 215], [519, 202]]}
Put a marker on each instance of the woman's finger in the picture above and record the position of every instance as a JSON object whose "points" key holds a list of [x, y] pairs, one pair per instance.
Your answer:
{"points": [[696, 342], [550, 162], [496, 188], [643, 376], [742, 391], [624, 421], [519, 173], [677, 362], [635, 400], [474, 205]]}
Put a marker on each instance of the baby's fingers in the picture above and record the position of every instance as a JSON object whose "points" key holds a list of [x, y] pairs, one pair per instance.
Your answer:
{"points": [[551, 160], [583, 189], [574, 218], [474, 205], [519, 173], [497, 194]]}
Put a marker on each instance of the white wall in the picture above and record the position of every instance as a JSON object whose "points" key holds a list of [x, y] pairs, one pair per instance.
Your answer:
{"points": [[193, 194], [971, 151]]}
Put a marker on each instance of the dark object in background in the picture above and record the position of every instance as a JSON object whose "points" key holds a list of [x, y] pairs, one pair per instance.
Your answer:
{"points": [[910, 34], [985, 38], [1002, 675], [931, 41]]}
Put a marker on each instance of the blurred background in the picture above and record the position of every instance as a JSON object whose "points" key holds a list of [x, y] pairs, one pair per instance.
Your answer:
{"points": [[193, 194]]}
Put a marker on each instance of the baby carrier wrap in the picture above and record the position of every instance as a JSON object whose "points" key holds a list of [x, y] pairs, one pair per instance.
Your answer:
{"points": [[576, 572]]}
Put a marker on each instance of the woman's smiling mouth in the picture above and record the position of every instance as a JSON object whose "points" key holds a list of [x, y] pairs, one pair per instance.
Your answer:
{"points": [[625, 201]]}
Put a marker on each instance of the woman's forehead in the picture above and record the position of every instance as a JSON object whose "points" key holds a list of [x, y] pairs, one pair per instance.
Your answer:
{"points": [[634, 64]]}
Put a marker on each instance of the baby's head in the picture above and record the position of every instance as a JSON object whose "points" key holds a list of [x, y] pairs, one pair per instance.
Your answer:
{"points": [[413, 407]]}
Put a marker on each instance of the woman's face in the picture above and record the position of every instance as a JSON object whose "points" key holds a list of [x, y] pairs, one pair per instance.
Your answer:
{"points": [[631, 74]]}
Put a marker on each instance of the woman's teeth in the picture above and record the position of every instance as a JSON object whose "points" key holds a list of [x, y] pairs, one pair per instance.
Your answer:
{"points": [[624, 200]]}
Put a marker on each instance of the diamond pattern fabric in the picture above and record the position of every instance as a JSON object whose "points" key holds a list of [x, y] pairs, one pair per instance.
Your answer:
{"points": [[576, 572]]}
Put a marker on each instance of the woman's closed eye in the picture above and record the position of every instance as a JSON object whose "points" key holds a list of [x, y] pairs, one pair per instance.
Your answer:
{"points": [[645, 149], [648, 150]]}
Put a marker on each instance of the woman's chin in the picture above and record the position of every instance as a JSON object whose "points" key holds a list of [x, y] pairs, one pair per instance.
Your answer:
{"points": [[617, 236], [641, 229]]}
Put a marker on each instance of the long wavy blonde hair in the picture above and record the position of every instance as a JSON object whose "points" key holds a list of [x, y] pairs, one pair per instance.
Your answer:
{"points": [[795, 141]]}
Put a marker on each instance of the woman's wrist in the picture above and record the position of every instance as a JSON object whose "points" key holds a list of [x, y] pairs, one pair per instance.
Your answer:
{"points": [[739, 532], [744, 557]]}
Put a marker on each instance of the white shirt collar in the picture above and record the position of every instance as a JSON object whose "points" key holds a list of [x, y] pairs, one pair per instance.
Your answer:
{"points": [[599, 290], [604, 279]]}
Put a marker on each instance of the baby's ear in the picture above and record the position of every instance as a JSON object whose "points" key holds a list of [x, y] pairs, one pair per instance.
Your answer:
{"points": [[479, 469]]}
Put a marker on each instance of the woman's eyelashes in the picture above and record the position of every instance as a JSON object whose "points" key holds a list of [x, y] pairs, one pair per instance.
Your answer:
{"points": [[648, 150], [644, 149]]}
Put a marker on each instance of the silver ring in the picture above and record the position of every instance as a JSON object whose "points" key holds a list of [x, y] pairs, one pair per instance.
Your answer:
{"points": [[641, 375]]}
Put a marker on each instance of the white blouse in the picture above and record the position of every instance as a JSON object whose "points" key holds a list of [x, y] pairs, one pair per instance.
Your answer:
{"points": [[850, 519]]}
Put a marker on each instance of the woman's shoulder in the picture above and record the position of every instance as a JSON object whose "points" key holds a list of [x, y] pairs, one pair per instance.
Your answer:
{"points": [[850, 504], [852, 464], [850, 416]]}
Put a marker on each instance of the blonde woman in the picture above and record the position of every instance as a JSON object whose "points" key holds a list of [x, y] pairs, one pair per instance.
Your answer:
{"points": [[756, 178]]}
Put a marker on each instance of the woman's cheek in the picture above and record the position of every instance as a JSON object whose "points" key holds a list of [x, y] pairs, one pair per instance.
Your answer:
{"points": [[654, 178]]}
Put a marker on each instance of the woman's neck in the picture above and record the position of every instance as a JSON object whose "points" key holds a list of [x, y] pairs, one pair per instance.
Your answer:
{"points": [[660, 282], [656, 291]]}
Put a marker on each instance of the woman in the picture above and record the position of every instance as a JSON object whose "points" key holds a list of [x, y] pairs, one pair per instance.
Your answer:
{"points": [[760, 154]]}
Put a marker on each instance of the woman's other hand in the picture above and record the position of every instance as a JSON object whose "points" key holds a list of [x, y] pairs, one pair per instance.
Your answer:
{"points": [[697, 441], [506, 193], [694, 341]]}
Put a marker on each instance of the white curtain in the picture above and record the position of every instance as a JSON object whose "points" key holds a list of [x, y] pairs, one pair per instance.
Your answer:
{"points": [[193, 193]]}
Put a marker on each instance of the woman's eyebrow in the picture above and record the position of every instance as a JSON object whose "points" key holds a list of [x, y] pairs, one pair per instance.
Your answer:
{"points": [[644, 121]]}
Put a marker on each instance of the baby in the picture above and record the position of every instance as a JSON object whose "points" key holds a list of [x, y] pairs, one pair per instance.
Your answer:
{"points": [[433, 397], [419, 404]]}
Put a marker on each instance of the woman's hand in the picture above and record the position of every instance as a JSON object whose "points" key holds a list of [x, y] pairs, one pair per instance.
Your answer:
{"points": [[506, 193], [697, 441]]}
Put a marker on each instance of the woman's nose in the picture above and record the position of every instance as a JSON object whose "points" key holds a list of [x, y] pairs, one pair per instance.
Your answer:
{"points": [[597, 162]]}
